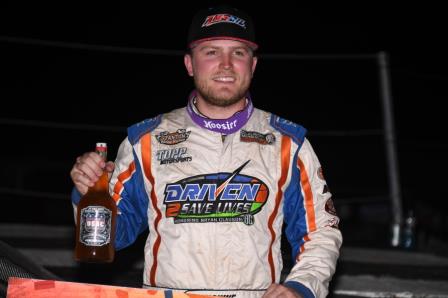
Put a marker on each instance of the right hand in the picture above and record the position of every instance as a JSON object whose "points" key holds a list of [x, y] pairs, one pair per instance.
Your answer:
{"points": [[88, 169]]}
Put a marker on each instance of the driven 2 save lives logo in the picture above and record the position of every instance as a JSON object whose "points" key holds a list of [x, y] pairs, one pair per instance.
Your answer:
{"points": [[216, 197]]}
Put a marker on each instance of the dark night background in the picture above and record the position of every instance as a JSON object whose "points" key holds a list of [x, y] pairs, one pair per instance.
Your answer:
{"points": [[47, 85]]}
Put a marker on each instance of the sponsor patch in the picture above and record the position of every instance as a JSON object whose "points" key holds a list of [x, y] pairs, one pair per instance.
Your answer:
{"points": [[287, 122], [174, 155], [223, 127], [253, 136], [215, 197], [173, 138], [320, 173], [333, 222], [223, 18], [329, 207]]}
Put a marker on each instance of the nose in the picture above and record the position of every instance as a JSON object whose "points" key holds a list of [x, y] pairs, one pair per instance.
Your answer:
{"points": [[226, 61]]}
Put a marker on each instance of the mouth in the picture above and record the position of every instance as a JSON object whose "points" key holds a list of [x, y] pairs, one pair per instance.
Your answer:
{"points": [[224, 79]]}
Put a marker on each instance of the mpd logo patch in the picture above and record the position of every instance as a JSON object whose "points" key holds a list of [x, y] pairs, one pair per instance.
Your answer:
{"points": [[253, 136], [173, 138], [216, 197]]}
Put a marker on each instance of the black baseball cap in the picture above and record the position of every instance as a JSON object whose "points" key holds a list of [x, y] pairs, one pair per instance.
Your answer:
{"points": [[221, 22]]}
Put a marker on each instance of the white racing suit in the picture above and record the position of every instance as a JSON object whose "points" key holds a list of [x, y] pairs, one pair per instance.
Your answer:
{"points": [[215, 206]]}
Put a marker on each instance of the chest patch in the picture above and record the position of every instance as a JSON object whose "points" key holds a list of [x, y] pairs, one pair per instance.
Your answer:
{"points": [[173, 155], [173, 138], [215, 197], [253, 136]]}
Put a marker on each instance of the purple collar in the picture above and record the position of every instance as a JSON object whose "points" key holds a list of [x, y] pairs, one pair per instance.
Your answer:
{"points": [[224, 126]]}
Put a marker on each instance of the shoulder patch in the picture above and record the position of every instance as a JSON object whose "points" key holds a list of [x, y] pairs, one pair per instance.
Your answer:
{"points": [[289, 128], [136, 131]]}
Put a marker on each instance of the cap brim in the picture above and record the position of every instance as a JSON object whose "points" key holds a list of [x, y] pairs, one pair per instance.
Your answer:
{"points": [[251, 44]]}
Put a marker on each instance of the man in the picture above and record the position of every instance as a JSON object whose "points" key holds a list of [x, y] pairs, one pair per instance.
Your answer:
{"points": [[215, 181]]}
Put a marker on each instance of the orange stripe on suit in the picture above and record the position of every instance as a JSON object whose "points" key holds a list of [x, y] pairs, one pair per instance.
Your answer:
{"points": [[285, 157], [121, 180], [308, 202], [146, 157]]}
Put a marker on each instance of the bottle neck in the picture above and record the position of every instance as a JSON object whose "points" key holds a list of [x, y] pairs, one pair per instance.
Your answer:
{"points": [[102, 183], [102, 152]]}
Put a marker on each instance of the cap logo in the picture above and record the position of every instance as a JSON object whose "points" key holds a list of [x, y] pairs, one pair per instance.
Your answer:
{"points": [[224, 18]]}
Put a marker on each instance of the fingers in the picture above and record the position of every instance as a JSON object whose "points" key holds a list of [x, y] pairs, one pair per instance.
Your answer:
{"points": [[271, 291], [277, 290], [110, 166], [91, 164], [87, 170], [82, 182]]}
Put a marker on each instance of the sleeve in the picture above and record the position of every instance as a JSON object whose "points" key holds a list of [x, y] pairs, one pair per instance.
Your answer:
{"points": [[76, 197], [127, 188], [311, 226]]}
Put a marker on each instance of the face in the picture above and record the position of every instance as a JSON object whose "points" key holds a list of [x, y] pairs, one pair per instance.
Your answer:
{"points": [[222, 70]]}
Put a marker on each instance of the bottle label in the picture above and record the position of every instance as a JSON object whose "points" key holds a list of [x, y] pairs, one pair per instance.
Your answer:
{"points": [[95, 226]]}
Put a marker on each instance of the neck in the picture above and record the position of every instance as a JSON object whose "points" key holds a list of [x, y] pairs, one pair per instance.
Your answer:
{"points": [[225, 120], [217, 112]]}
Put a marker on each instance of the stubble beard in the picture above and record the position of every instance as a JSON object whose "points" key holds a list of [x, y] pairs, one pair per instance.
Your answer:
{"points": [[220, 98]]}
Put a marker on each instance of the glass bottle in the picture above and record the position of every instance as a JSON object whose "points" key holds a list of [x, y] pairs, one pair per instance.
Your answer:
{"points": [[409, 233], [96, 214]]}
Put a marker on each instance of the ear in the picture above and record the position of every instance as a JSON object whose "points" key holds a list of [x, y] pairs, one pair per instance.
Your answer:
{"points": [[188, 64], [254, 64]]}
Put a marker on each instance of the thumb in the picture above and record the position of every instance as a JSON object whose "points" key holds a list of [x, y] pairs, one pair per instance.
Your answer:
{"points": [[110, 166]]}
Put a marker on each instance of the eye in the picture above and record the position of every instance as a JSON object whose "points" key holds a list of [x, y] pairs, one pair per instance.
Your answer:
{"points": [[210, 52], [240, 53]]}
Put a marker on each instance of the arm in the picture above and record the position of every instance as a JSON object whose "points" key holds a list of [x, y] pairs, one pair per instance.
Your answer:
{"points": [[128, 190], [87, 169], [311, 227], [126, 187]]}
